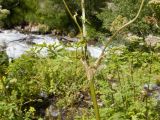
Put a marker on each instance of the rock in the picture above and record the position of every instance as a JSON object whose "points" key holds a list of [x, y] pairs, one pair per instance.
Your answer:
{"points": [[27, 28], [68, 39], [36, 28], [18, 28], [56, 32], [43, 28], [92, 42], [151, 89], [152, 40], [72, 33]]}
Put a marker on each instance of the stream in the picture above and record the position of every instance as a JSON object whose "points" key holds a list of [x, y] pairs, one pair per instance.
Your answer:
{"points": [[16, 43]]}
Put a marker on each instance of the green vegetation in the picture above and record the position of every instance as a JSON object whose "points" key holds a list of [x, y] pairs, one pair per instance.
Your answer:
{"points": [[119, 82], [53, 14], [123, 83]]}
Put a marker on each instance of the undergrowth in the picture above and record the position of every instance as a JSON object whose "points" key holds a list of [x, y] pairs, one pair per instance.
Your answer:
{"points": [[127, 85]]}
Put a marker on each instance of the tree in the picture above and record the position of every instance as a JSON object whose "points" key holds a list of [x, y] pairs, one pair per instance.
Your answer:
{"points": [[48, 12], [3, 14]]}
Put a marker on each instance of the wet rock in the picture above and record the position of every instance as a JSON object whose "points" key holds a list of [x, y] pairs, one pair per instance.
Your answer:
{"points": [[92, 42], [39, 28], [67, 39], [72, 33], [56, 32], [18, 28], [34, 29], [43, 28]]}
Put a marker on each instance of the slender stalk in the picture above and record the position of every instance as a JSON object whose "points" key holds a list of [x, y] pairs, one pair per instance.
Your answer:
{"points": [[90, 74], [146, 113], [119, 79], [83, 18], [84, 31], [93, 95], [132, 78], [73, 16], [90, 77]]}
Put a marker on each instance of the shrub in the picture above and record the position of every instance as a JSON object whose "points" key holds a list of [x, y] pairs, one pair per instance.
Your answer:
{"points": [[116, 8], [3, 63], [32, 79]]}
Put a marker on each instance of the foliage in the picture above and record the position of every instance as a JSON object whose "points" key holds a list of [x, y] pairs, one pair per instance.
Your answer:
{"points": [[155, 4], [116, 8], [3, 63], [48, 12], [127, 73], [126, 82], [120, 83], [53, 14], [3, 15], [31, 78]]}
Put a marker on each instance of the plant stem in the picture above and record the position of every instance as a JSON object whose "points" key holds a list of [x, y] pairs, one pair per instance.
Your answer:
{"points": [[93, 95], [146, 114], [132, 78], [83, 18], [91, 72], [73, 16]]}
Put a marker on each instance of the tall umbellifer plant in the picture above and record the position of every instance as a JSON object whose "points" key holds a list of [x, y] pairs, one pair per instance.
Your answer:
{"points": [[91, 68]]}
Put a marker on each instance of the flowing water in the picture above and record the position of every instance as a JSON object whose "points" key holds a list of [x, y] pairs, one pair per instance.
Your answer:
{"points": [[16, 43]]}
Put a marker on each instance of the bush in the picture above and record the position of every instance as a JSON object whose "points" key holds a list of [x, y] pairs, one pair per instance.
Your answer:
{"points": [[116, 8], [48, 12], [122, 85], [31, 78], [3, 63], [3, 15]]}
